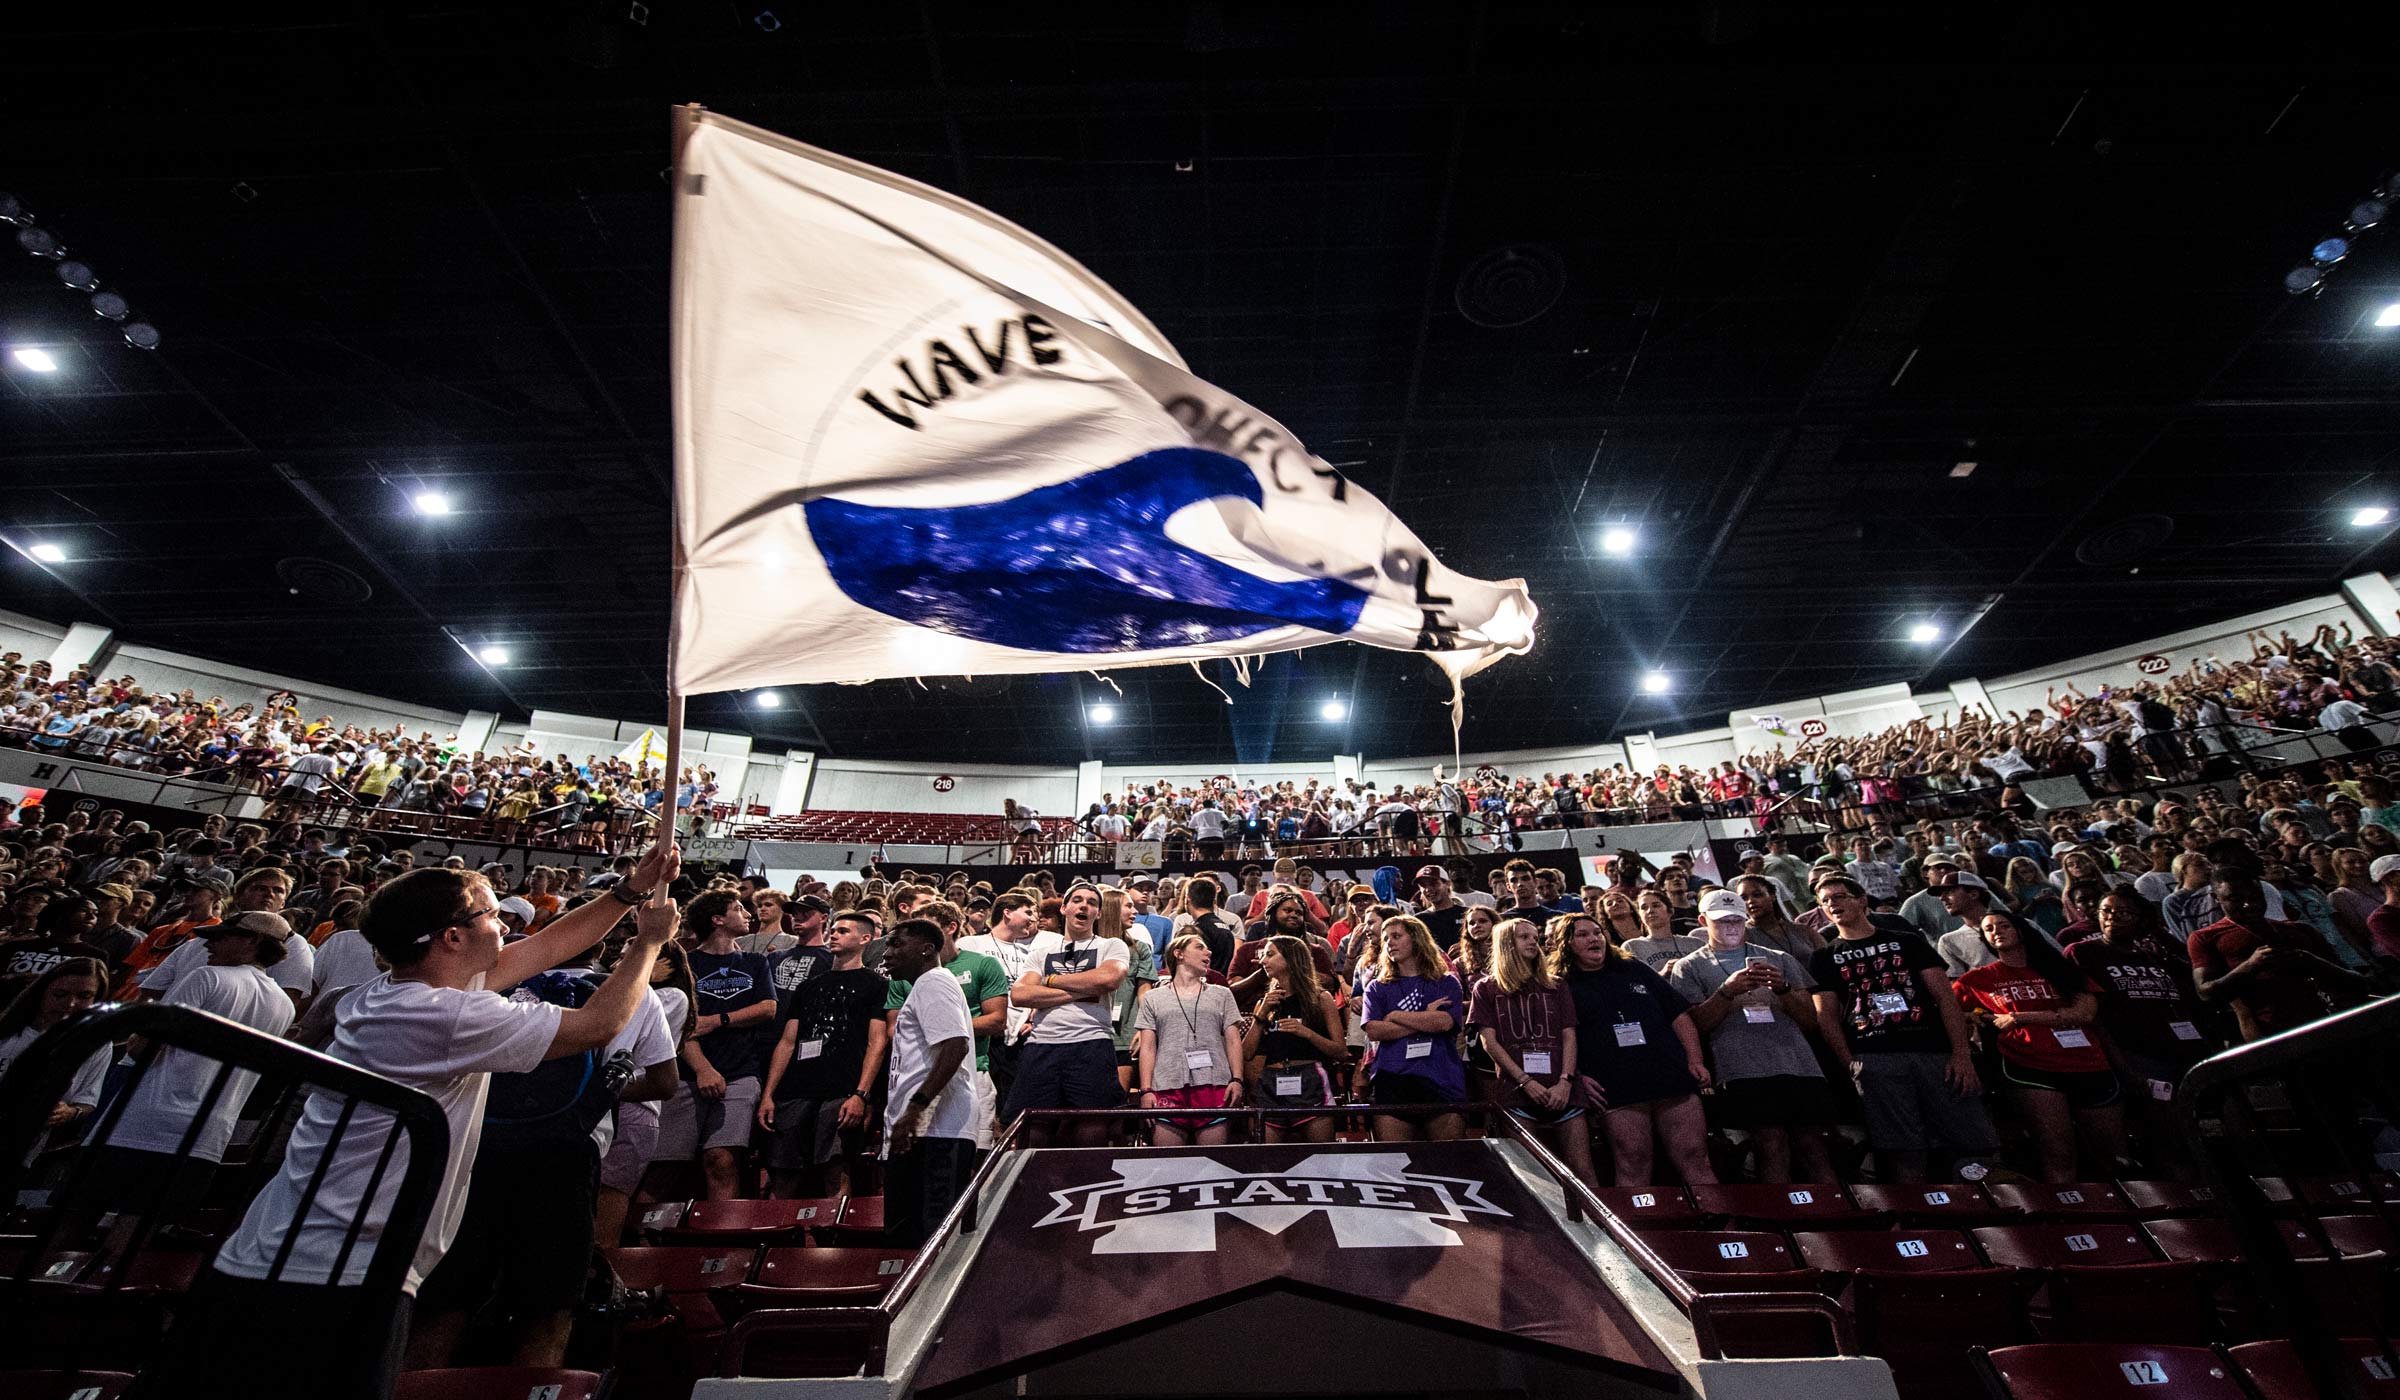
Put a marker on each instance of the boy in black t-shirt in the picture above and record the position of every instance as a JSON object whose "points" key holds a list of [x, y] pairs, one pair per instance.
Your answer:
{"points": [[1886, 1010], [822, 1071]]}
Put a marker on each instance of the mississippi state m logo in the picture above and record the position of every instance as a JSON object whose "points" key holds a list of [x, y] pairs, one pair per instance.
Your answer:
{"points": [[1170, 1205]]}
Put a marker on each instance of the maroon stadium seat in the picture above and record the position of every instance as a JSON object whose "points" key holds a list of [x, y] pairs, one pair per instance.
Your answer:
{"points": [[498, 1383], [754, 1222], [2075, 1200], [64, 1385], [2360, 1191], [2194, 1241], [2103, 1284], [2276, 1369], [2153, 1200], [2357, 1235], [1650, 1207], [2118, 1371], [1953, 1204], [817, 1275], [1814, 1205], [1924, 1324], [679, 1268], [1735, 1261], [1895, 1251], [859, 1222]]}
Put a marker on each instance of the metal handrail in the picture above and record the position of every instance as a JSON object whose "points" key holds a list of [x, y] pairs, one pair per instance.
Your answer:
{"points": [[2346, 1037], [39, 1077]]}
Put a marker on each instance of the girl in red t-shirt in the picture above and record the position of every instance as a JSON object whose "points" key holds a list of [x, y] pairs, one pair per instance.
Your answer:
{"points": [[2051, 1065]]}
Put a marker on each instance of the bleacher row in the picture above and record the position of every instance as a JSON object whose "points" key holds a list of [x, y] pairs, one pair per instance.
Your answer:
{"points": [[1928, 1273], [897, 828]]}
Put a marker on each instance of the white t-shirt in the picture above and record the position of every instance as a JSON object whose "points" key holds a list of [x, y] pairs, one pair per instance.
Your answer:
{"points": [[309, 771], [936, 1011], [1208, 824], [1077, 1020], [345, 959], [297, 972], [1014, 959], [84, 1088], [443, 1040], [1109, 827], [161, 1106]]}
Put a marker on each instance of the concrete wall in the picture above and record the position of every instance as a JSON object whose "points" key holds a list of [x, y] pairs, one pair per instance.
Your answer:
{"points": [[30, 635]]}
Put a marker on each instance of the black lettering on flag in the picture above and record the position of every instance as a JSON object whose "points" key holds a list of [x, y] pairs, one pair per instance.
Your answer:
{"points": [[943, 359], [1038, 335], [996, 359]]}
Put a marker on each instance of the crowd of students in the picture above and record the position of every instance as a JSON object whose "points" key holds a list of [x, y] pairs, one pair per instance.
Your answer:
{"points": [[2201, 722], [2006, 991], [346, 774]]}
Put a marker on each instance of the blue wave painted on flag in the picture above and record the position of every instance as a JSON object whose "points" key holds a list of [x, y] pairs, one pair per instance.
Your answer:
{"points": [[1082, 566]]}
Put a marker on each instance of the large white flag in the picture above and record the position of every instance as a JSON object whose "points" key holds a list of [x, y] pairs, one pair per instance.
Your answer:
{"points": [[913, 439]]}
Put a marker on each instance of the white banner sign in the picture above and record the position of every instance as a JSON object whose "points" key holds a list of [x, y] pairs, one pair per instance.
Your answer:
{"points": [[913, 439], [1140, 855]]}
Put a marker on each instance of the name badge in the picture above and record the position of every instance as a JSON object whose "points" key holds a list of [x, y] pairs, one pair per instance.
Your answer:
{"points": [[1888, 1003], [1758, 1015], [1287, 1086], [1199, 1060], [2184, 1030], [810, 1049], [2072, 1040], [1537, 1062], [1417, 1050], [1629, 1034]]}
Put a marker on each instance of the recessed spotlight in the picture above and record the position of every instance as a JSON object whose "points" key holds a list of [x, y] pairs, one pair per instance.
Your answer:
{"points": [[432, 503], [1333, 710], [1618, 539], [48, 553], [2389, 316], [1963, 470], [38, 360], [493, 656], [769, 700], [1655, 683], [2371, 515], [1102, 714], [1924, 632]]}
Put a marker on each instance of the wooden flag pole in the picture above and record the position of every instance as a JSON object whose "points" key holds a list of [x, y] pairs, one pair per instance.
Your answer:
{"points": [[682, 121]]}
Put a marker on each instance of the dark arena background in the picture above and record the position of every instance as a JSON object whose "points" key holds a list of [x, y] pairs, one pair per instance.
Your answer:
{"points": [[600, 794]]}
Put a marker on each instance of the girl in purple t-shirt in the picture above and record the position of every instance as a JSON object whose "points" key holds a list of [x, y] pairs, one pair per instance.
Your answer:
{"points": [[1414, 1008], [1527, 1021]]}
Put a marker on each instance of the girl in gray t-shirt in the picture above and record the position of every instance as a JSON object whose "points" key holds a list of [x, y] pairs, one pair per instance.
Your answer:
{"points": [[1188, 1047]]}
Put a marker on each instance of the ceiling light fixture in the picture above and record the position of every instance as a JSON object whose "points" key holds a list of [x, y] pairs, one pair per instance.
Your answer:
{"points": [[38, 360], [1924, 632], [1618, 540], [1333, 710], [2369, 516], [2388, 316], [769, 700], [1655, 683], [48, 553], [432, 503], [493, 656], [1102, 714]]}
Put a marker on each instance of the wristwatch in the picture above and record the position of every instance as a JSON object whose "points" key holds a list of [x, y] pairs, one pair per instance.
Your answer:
{"points": [[626, 897]]}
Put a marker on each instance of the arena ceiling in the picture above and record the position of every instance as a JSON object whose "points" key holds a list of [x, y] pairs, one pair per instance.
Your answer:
{"points": [[1753, 279]]}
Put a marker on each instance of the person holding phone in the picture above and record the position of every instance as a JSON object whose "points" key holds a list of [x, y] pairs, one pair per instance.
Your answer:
{"points": [[1752, 1007], [1294, 1042]]}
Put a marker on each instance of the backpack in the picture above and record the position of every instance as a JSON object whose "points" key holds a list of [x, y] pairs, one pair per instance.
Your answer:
{"points": [[557, 1103]]}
